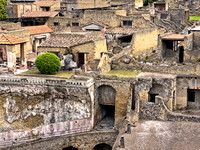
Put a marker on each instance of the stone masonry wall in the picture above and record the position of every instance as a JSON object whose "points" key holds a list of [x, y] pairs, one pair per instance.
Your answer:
{"points": [[82, 141], [43, 106]]}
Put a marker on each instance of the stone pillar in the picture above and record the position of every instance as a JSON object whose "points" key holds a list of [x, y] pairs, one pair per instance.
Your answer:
{"points": [[11, 60]]}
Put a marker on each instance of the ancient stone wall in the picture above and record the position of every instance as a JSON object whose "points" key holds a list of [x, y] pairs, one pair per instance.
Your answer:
{"points": [[25, 35], [39, 107], [147, 38], [108, 17], [137, 21], [122, 89], [196, 39], [51, 49], [177, 15], [84, 4], [159, 111], [81, 141], [7, 26], [183, 84]]}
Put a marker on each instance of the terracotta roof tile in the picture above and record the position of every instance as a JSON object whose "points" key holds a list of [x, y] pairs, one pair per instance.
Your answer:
{"points": [[174, 37], [38, 29], [68, 41], [40, 14], [120, 30], [6, 39]]}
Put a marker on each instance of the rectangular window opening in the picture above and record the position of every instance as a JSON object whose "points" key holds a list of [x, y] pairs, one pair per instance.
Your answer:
{"points": [[152, 97], [127, 23], [191, 95]]}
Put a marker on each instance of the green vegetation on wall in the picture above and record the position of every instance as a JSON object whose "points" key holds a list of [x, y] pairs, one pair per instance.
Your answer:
{"points": [[194, 17], [146, 2], [3, 12]]}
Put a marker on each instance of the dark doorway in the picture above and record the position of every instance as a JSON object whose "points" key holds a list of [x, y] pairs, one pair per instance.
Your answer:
{"points": [[70, 148], [125, 39], [102, 146], [21, 52], [133, 97], [152, 97], [81, 59], [181, 54], [108, 115], [191, 95]]}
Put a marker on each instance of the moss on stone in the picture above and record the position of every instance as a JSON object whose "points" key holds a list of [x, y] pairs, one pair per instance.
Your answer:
{"points": [[37, 73], [123, 73]]}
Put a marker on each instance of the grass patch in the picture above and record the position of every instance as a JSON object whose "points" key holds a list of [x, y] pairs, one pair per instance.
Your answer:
{"points": [[194, 17], [123, 73], [59, 74]]}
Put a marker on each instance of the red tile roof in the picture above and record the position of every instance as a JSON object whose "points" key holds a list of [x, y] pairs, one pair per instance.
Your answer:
{"points": [[174, 37], [31, 14], [38, 29], [68, 41], [6, 39], [120, 30]]}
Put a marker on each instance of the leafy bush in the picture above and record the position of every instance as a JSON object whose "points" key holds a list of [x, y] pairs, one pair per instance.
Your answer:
{"points": [[48, 63], [198, 60]]}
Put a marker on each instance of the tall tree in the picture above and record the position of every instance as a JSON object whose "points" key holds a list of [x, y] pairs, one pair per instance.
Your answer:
{"points": [[3, 12]]}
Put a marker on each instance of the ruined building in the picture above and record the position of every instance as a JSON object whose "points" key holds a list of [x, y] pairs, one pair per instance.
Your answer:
{"points": [[129, 79]]}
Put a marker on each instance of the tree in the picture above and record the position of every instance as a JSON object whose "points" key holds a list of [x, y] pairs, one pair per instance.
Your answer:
{"points": [[3, 12], [48, 63], [146, 2]]}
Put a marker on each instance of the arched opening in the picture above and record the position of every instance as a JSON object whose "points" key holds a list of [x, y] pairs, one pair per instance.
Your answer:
{"points": [[106, 95], [70, 148], [106, 111], [102, 146]]}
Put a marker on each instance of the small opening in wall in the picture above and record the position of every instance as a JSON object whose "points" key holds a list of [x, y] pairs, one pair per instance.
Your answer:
{"points": [[152, 97], [70, 148], [191, 95]]}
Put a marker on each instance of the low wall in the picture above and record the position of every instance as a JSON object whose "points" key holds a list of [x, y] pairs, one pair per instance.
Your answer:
{"points": [[159, 111], [81, 141], [11, 138]]}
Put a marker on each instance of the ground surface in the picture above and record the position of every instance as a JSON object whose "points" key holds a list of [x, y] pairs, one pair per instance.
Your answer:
{"points": [[158, 135]]}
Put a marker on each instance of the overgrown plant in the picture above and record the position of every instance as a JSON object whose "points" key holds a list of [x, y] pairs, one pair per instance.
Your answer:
{"points": [[3, 12], [48, 63]]}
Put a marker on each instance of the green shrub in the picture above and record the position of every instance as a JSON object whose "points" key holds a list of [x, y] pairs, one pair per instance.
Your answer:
{"points": [[198, 60], [48, 63]]}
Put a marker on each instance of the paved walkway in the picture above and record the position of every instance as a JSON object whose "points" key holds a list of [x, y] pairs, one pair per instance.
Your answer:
{"points": [[160, 135]]}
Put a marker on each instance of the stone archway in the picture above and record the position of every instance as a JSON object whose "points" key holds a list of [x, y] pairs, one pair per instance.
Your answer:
{"points": [[70, 148], [102, 146]]}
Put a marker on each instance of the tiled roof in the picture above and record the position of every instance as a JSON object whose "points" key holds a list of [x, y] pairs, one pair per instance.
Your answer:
{"points": [[68, 41], [40, 14], [46, 3], [6, 39], [120, 30], [174, 37], [66, 29], [38, 29], [97, 23]]}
